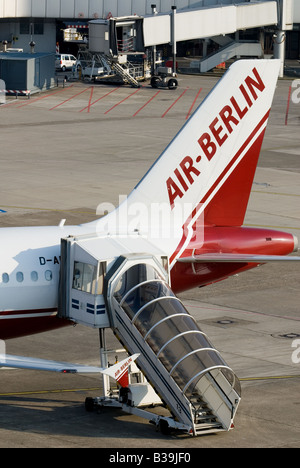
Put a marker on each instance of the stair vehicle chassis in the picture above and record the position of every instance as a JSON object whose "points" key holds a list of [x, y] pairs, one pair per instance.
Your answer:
{"points": [[164, 78], [178, 366]]}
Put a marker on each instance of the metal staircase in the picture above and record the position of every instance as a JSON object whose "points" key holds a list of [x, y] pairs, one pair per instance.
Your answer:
{"points": [[130, 293], [205, 420], [177, 358], [227, 52], [102, 66], [127, 72]]}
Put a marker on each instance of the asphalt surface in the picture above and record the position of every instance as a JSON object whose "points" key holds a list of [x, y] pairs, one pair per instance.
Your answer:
{"points": [[67, 150]]}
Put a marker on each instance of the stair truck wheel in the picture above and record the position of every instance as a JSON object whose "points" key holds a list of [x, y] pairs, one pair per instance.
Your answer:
{"points": [[164, 427], [172, 84], [89, 404], [155, 82]]}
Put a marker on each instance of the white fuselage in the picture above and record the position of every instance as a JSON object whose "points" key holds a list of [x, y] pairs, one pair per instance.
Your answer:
{"points": [[29, 266]]}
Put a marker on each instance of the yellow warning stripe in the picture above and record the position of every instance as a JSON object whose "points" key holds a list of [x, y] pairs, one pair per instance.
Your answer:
{"points": [[75, 390]]}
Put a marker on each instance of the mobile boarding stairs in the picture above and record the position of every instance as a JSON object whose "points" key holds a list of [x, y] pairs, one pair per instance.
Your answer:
{"points": [[104, 285], [106, 67]]}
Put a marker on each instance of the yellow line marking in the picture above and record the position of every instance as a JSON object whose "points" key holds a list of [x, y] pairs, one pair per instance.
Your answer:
{"points": [[271, 227], [277, 193], [75, 390], [273, 377], [95, 215], [43, 392], [48, 209]]}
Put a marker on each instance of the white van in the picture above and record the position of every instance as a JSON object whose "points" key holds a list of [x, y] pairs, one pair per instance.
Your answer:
{"points": [[64, 61]]}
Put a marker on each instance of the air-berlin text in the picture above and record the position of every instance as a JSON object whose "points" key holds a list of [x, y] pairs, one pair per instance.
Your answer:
{"points": [[220, 129]]}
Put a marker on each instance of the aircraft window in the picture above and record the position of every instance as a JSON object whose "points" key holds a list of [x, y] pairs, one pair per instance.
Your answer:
{"points": [[165, 263], [142, 294], [34, 276], [88, 278], [137, 274], [5, 278], [48, 275], [20, 277], [85, 277], [102, 272]]}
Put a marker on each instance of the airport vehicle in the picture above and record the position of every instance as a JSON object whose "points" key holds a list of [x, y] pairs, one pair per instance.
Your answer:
{"points": [[14, 51], [64, 62], [181, 227], [164, 78]]}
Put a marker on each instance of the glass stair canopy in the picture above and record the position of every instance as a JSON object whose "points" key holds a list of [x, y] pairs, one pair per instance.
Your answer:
{"points": [[178, 359]]}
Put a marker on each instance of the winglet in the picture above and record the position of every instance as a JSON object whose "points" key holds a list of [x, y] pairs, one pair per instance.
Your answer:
{"points": [[119, 371]]}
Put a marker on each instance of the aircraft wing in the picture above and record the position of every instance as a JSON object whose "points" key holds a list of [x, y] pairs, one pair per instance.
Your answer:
{"points": [[20, 362], [237, 258]]}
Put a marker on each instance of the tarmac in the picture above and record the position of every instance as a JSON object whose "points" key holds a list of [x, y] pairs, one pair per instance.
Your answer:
{"points": [[67, 150]]}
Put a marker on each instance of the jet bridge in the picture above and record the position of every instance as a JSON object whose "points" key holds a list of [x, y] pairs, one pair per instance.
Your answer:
{"points": [[104, 285], [127, 36]]}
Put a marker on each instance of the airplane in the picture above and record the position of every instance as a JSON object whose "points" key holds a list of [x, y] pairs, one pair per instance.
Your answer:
{"points": [[200, 185]]}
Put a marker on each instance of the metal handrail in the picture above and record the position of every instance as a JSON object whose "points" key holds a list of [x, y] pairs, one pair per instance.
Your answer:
{"points": [[205, 371], [190, 354], [198, 332], [152, 302]]}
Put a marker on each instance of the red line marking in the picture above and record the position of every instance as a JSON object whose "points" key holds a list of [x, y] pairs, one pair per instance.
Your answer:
{"points": [[174, 103], [43, 97], [102, 97], [288, 106], [148, 102], [122, 101], [72, 97], [90, 101], [11, 103], [191, 108]]}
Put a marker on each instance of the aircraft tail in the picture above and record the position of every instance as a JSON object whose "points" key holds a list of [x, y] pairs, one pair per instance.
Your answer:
{"points": [[204, 176]]}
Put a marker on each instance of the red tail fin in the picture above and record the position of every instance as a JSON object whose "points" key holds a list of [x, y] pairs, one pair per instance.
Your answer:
{"points": [[227, 208]]}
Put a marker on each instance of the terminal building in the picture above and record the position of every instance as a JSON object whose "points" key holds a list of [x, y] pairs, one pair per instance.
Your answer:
{"points": [[238, 27]]}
